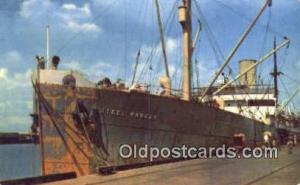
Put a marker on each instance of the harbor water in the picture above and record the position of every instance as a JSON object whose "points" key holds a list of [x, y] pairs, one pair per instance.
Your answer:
{"points": [[19, 161]]}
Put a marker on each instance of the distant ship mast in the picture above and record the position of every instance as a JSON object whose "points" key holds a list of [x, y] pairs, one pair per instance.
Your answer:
{"points": [[48, 47], [186, 23]]}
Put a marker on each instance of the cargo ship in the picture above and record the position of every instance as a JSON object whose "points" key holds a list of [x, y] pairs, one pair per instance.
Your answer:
{"points": [[82, 124]]}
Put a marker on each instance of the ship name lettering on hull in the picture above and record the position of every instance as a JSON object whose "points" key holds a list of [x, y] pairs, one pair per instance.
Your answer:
{"points": [[133, 114]]}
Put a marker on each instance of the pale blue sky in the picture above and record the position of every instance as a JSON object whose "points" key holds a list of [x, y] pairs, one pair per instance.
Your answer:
{"points": [[101, 38]]}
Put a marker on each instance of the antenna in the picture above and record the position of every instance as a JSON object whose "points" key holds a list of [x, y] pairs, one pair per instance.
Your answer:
{"points": [[48, 46]]}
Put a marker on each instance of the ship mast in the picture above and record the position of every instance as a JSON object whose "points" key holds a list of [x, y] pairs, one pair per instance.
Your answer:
{"points": [[186, 23], [48, 46], [162, 39], [275, 74]]}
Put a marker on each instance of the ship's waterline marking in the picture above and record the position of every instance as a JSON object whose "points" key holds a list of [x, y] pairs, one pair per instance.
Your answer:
{"points": [[133, 114], [127, 151]]}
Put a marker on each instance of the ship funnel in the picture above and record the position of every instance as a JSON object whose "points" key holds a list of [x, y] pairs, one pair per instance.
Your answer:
{"points": [[249, 78], [165, 83]]}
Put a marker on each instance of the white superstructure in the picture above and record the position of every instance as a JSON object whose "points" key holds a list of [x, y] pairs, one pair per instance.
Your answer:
{"points": [[258, 103]]}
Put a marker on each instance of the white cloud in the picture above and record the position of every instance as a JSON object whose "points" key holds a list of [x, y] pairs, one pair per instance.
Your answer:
{"points": [[77, 18], [25, 8], [88, 27], [69, 16], [175, 73], [15, 100], [3, 73], [101, 64], [171, 45], [172, 70], [30, 7], [10, 80], [69, 6], [74, 65], [73, 8], [94, 72], [16, 80], [155, 51], [99, 70], [206, 72]]}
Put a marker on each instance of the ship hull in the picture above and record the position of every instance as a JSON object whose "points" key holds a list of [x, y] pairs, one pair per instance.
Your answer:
{"points": [[132, 118]]}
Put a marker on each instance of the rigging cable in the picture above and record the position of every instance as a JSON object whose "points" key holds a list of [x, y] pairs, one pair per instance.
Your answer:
{"points": [[287, 91], [154, 50], [291, 78], [243, 16], [264, 43]]}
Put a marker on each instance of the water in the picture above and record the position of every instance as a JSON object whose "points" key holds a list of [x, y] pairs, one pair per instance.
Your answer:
{"points": [[19, 161]]}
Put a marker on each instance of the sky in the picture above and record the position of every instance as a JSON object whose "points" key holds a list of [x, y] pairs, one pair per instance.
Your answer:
{"points": [[101, 38]]}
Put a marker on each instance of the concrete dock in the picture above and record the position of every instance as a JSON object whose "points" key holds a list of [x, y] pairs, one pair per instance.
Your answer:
{"points": [[282, 171]]}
